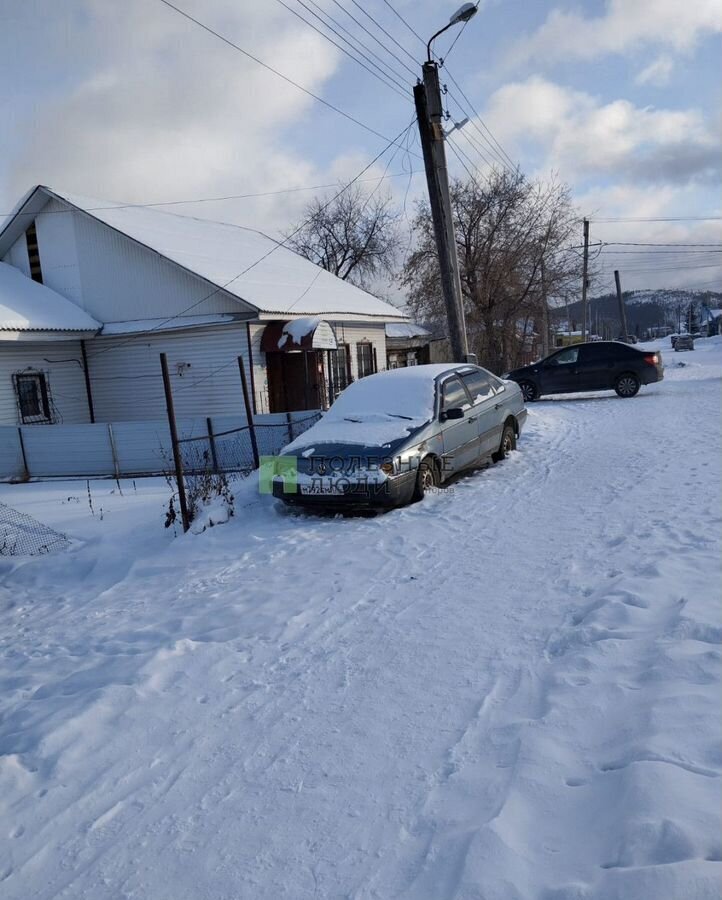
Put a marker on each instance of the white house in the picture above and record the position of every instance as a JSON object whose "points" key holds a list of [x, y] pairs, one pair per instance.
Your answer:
{"points": [[92, 292]]}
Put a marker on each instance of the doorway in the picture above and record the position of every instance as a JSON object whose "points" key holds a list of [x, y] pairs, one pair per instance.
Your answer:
{"points": [[295, 380]]}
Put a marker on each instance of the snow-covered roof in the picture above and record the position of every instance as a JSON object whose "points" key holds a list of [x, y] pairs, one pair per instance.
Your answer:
{"points": [[241, 261], [26, 305], [406, 330]]}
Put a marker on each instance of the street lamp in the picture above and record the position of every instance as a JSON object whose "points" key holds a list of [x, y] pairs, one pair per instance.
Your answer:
{"points": [[462, 14], [430, 115]]}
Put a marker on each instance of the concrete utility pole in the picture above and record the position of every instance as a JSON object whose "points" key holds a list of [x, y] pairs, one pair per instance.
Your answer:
{"points": [[429, 112], [622, 311], [585, 270]]}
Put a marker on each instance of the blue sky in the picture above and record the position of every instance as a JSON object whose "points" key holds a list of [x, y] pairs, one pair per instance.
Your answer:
{"points": [[132, 102]]}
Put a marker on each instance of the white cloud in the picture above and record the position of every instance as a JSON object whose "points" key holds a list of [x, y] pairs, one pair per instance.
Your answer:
{"points": [[573, 133], [625, 24], [164, 110], [657, 73]]}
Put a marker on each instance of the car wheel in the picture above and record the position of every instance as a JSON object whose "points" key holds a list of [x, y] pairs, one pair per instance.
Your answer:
{"points": [[508, 443], [529, 391], [427, 478], [627, 385]]}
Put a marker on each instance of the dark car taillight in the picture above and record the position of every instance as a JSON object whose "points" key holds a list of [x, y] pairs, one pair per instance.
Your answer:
{"points": [[651, 359]]}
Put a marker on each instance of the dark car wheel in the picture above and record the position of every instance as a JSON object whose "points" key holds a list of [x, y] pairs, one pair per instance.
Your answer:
{"points": [[508, 443], [627, 385], [427, 478], [529, 391]]}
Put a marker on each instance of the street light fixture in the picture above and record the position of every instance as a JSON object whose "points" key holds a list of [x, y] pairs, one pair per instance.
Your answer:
{"points": [[462, 14]]}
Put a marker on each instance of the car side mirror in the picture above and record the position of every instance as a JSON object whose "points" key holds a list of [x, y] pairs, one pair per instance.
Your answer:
{"points": [[455, 413]]}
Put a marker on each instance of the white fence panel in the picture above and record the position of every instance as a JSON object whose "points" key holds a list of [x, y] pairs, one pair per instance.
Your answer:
{"points": [[68, 450], [11, 454], [141, 448]]}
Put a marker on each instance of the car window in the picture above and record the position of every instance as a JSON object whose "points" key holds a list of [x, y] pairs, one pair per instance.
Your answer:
{"points": [[478, 385], [592, 352], [453, 394], [565, 358]]}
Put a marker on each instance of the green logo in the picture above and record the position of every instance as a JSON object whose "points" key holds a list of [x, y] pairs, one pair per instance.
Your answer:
{"points": [[285, 467]]}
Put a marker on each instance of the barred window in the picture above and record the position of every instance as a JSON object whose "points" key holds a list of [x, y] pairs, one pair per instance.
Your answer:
{"points": [[32, 394], [340, 375], [364, 359]]}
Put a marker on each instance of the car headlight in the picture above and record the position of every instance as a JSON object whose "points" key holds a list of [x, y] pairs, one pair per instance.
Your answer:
{"points": [[387, 468]]}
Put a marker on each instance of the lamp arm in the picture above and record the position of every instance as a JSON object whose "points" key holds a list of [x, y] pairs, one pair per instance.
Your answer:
{"points": [[433, 38]]}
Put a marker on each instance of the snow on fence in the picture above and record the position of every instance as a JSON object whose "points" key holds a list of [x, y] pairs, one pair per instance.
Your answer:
{"points": [[142, 448]]}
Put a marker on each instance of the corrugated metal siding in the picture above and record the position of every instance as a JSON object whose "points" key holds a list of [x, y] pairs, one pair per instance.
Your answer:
{"points": [[17, 256], [58, 251], [63, 373], [123, 281], [126, 376]]}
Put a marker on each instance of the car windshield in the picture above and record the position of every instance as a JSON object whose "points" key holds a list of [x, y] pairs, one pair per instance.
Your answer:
{"points": [[398, 395]]}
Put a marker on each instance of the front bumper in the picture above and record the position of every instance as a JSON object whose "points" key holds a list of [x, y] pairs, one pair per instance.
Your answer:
{"points": [[395, 491]]}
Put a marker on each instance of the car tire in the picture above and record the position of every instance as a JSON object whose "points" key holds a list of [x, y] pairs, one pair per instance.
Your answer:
{"points": [[529, 391], [427, 477], [508, 443], [627, 385]]}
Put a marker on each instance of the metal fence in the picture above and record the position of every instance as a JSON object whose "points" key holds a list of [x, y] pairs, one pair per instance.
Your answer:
{"points": [[21, 535], [121, 449]]}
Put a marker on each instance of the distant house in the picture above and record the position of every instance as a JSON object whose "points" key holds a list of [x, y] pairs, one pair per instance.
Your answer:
{"points": [[92, 292], [407, 344]]}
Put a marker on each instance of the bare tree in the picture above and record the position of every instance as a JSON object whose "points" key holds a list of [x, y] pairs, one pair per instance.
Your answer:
{"points": [[353, 236], [511, 234]]}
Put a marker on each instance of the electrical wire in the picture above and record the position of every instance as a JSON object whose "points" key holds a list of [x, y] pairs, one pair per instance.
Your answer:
{"points": [[392, 142], [388, 34], [377, 73], [373, 37], [265, 65], [309, 187]]}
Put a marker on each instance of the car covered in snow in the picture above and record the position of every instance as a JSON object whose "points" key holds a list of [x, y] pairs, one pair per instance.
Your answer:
{"points": [[390, 438], [684, 342], [591, 366]]}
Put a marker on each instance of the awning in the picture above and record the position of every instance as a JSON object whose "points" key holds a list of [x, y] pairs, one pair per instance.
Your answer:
{"points": [[308, 333]]}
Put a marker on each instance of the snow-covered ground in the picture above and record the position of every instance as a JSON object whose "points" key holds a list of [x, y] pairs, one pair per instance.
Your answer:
{"points": [[508, 691]]}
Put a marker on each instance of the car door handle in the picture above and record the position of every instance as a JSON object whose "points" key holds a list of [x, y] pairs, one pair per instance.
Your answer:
{"points": [[471, 419], [498, 406]]}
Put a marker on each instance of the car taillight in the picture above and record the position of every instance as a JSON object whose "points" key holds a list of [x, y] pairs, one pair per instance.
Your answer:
{"points": [[651, 359]]}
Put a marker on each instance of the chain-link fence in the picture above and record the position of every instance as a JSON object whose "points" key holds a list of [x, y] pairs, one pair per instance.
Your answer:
{"points": [[22, 535], [232, 450]]}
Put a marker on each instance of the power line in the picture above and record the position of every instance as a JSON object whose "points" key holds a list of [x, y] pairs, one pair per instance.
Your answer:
{"points": [[387, 80], [260, 62], [399, 16], [309, 187], [217, 289], [373, 37], [388, 35], [659, 219]]}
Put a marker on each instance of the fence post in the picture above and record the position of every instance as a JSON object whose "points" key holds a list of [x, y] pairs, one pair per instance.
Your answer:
{"points": [[114, 451], [26, 475], [174, 441], [212, 443], [289, 423], [249, 413]]}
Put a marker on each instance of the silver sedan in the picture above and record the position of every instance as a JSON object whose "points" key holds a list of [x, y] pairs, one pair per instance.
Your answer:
{"points": [[392, 437]]}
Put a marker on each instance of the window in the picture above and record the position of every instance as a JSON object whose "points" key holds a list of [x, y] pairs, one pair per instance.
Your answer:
{"points": [[31, 239], [32, 393], [340, 378], [566, 358], [479, 386], [453, 395], [365, 359]]}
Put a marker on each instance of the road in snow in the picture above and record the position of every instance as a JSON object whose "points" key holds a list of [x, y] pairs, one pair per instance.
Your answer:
{"points": [[508, 691]]}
